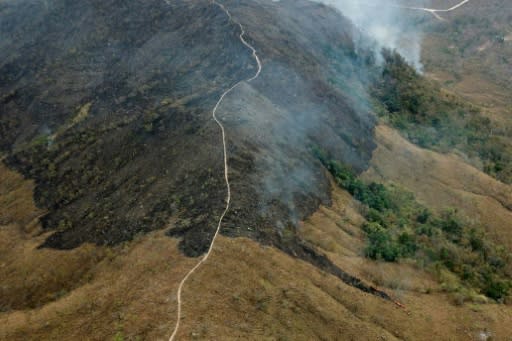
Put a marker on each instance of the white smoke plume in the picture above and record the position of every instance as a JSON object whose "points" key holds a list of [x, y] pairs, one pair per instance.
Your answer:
{"points": [[389, 25]]}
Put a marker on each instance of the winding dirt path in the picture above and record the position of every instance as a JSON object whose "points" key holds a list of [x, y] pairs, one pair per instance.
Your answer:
{"points": [[226, 167], [434, 11]]}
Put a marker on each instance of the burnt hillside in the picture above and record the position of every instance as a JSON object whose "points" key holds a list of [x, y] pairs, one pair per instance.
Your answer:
{"points": [[107, 105]]}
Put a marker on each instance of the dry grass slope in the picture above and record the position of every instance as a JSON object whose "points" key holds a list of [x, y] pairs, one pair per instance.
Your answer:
{"points": [[444, 180], [245, 290]]}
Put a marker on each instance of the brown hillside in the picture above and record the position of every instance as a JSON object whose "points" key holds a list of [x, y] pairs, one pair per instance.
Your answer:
{"points": [[442, 181], [245, 291]]}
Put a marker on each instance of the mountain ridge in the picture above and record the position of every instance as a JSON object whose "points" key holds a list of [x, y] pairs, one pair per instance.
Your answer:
{"points": [[125, 167]]}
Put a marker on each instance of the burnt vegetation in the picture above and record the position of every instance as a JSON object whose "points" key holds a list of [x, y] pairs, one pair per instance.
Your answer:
{"points": [[145, 148], [124, 139], [116, 140], [114, 124]]}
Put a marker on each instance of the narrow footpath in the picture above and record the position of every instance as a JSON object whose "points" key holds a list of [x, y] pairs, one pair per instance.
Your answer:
{"points": [[226, 166], [434, 11]]}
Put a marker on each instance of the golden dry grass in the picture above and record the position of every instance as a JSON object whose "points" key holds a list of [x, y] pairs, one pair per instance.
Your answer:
{"points": [[443, 180], [89, 293], [16, 199], [130, 291], [244, 291], [336, 231], [250, 292]]}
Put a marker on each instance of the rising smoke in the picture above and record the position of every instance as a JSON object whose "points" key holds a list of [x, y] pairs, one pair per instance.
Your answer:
{"points": [[287, 118], [387, 24]]}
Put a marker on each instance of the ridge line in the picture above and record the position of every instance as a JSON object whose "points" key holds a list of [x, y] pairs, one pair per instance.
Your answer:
{"points": [[226, 166]]}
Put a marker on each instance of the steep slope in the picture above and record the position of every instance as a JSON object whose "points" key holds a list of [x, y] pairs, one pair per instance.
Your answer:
{"points": [[133, 141], [469, 54], [111, 155], [443, 181], [290, 107], [262, 293], [106, 110], [119, 165], [476, 34]]}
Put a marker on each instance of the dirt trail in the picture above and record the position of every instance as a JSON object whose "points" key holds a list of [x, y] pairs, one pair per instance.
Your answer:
{"points": [[434, 11], [226, 167]]}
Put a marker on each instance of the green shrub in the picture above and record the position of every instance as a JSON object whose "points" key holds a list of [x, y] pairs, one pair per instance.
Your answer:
{"points": [[496, 288], [380, 243], [399, 227], [432, 119]]}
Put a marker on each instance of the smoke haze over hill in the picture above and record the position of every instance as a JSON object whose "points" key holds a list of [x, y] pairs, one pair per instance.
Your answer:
{"points": [[387, 24]]}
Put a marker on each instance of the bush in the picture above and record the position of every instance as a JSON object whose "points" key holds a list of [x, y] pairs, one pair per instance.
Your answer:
{"points": [[380, 243], [399, 227], [433, 119], [495, 287]]}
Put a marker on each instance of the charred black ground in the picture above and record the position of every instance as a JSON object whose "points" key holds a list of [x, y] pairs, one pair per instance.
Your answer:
{"points": [[151, 73], [107, 106]]}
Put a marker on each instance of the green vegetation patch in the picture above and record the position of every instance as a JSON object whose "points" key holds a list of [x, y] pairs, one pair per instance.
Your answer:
{"points": [[398, 227], [433, 119]]}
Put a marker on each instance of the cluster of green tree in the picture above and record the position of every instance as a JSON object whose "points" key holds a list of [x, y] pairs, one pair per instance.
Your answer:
{"points": [[399, 227], [433, 119]]}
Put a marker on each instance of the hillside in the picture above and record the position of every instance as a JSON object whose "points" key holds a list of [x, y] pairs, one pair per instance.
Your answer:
{"points": [[126, 138], [472, 60], [271, 295], [134, 143], [114, 177]]}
